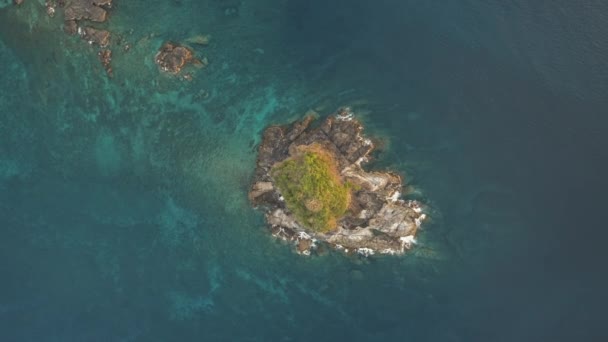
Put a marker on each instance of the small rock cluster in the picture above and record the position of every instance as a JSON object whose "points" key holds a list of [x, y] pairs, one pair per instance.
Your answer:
{"points": [[77, 14], [377, 221], [172, 58]]}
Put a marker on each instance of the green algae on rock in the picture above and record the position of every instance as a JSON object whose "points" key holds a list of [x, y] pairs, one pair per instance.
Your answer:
{"points": [[312, 188], [311, 184]]}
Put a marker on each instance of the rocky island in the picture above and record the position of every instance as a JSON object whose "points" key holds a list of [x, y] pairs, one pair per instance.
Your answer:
{"points": [[310, 181]]}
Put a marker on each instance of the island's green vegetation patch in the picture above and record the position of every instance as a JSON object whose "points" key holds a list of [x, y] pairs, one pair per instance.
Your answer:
{"points": [[313, 189]]}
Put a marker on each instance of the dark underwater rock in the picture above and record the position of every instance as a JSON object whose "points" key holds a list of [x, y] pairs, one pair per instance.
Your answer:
{"points": [[377, 219]]}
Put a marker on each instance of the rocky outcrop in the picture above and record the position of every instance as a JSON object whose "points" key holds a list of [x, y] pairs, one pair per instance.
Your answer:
{"points": [[172, 58], [92, 10], [105, 57], [94, 36], [377, 220]]}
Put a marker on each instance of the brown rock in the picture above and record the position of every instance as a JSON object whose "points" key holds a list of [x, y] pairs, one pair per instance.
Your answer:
{"points": [[304, 246], [105, 57], [87, 10], [94, 36], [70, 27], [259, 189], [173, 57], [17, 2]]}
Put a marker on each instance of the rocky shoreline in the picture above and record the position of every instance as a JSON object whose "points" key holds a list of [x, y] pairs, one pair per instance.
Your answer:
{"points": [[377, 219]]}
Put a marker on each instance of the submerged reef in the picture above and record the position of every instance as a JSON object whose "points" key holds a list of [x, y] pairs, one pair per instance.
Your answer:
{"points": [[310, 182]]}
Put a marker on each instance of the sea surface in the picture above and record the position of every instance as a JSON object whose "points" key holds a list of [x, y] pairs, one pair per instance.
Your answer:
{"points": [[123, 201]]}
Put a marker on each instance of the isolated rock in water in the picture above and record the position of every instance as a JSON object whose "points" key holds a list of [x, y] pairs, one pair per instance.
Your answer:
{"points": [[93, 36], [173, 57], [18, 2], [375, 220], [87, 10]]}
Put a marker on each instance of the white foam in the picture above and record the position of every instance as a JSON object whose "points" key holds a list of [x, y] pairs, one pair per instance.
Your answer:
{"points": [[389, 251], [419, 220], [395, 196], [365, 251], [347, 116], [407, 241], [361, 160], [303, 236]]}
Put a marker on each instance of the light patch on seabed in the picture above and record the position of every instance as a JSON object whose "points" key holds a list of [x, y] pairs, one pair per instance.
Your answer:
{"points": [[108, 263], [256, 111], [8, 169], [271, 286], [277, 288], [317, 297], [107, 154], [185, 306], [178, 226]]}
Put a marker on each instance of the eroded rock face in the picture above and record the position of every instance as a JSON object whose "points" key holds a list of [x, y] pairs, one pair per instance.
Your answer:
{"points": [[173, 57], [377, 221]]}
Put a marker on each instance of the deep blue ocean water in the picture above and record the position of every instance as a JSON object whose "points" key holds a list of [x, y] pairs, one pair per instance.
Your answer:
{"points": [[123, 201]]}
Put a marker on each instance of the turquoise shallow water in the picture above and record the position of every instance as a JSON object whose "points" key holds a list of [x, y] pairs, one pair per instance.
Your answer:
{"points": [[123, 208]]}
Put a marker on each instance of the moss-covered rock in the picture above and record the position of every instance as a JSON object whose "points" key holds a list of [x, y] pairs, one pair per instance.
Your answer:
{"points": [[312, 188]]}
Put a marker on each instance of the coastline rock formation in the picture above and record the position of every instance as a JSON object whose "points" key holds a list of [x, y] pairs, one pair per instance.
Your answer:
{"points": [[376, 220]]}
